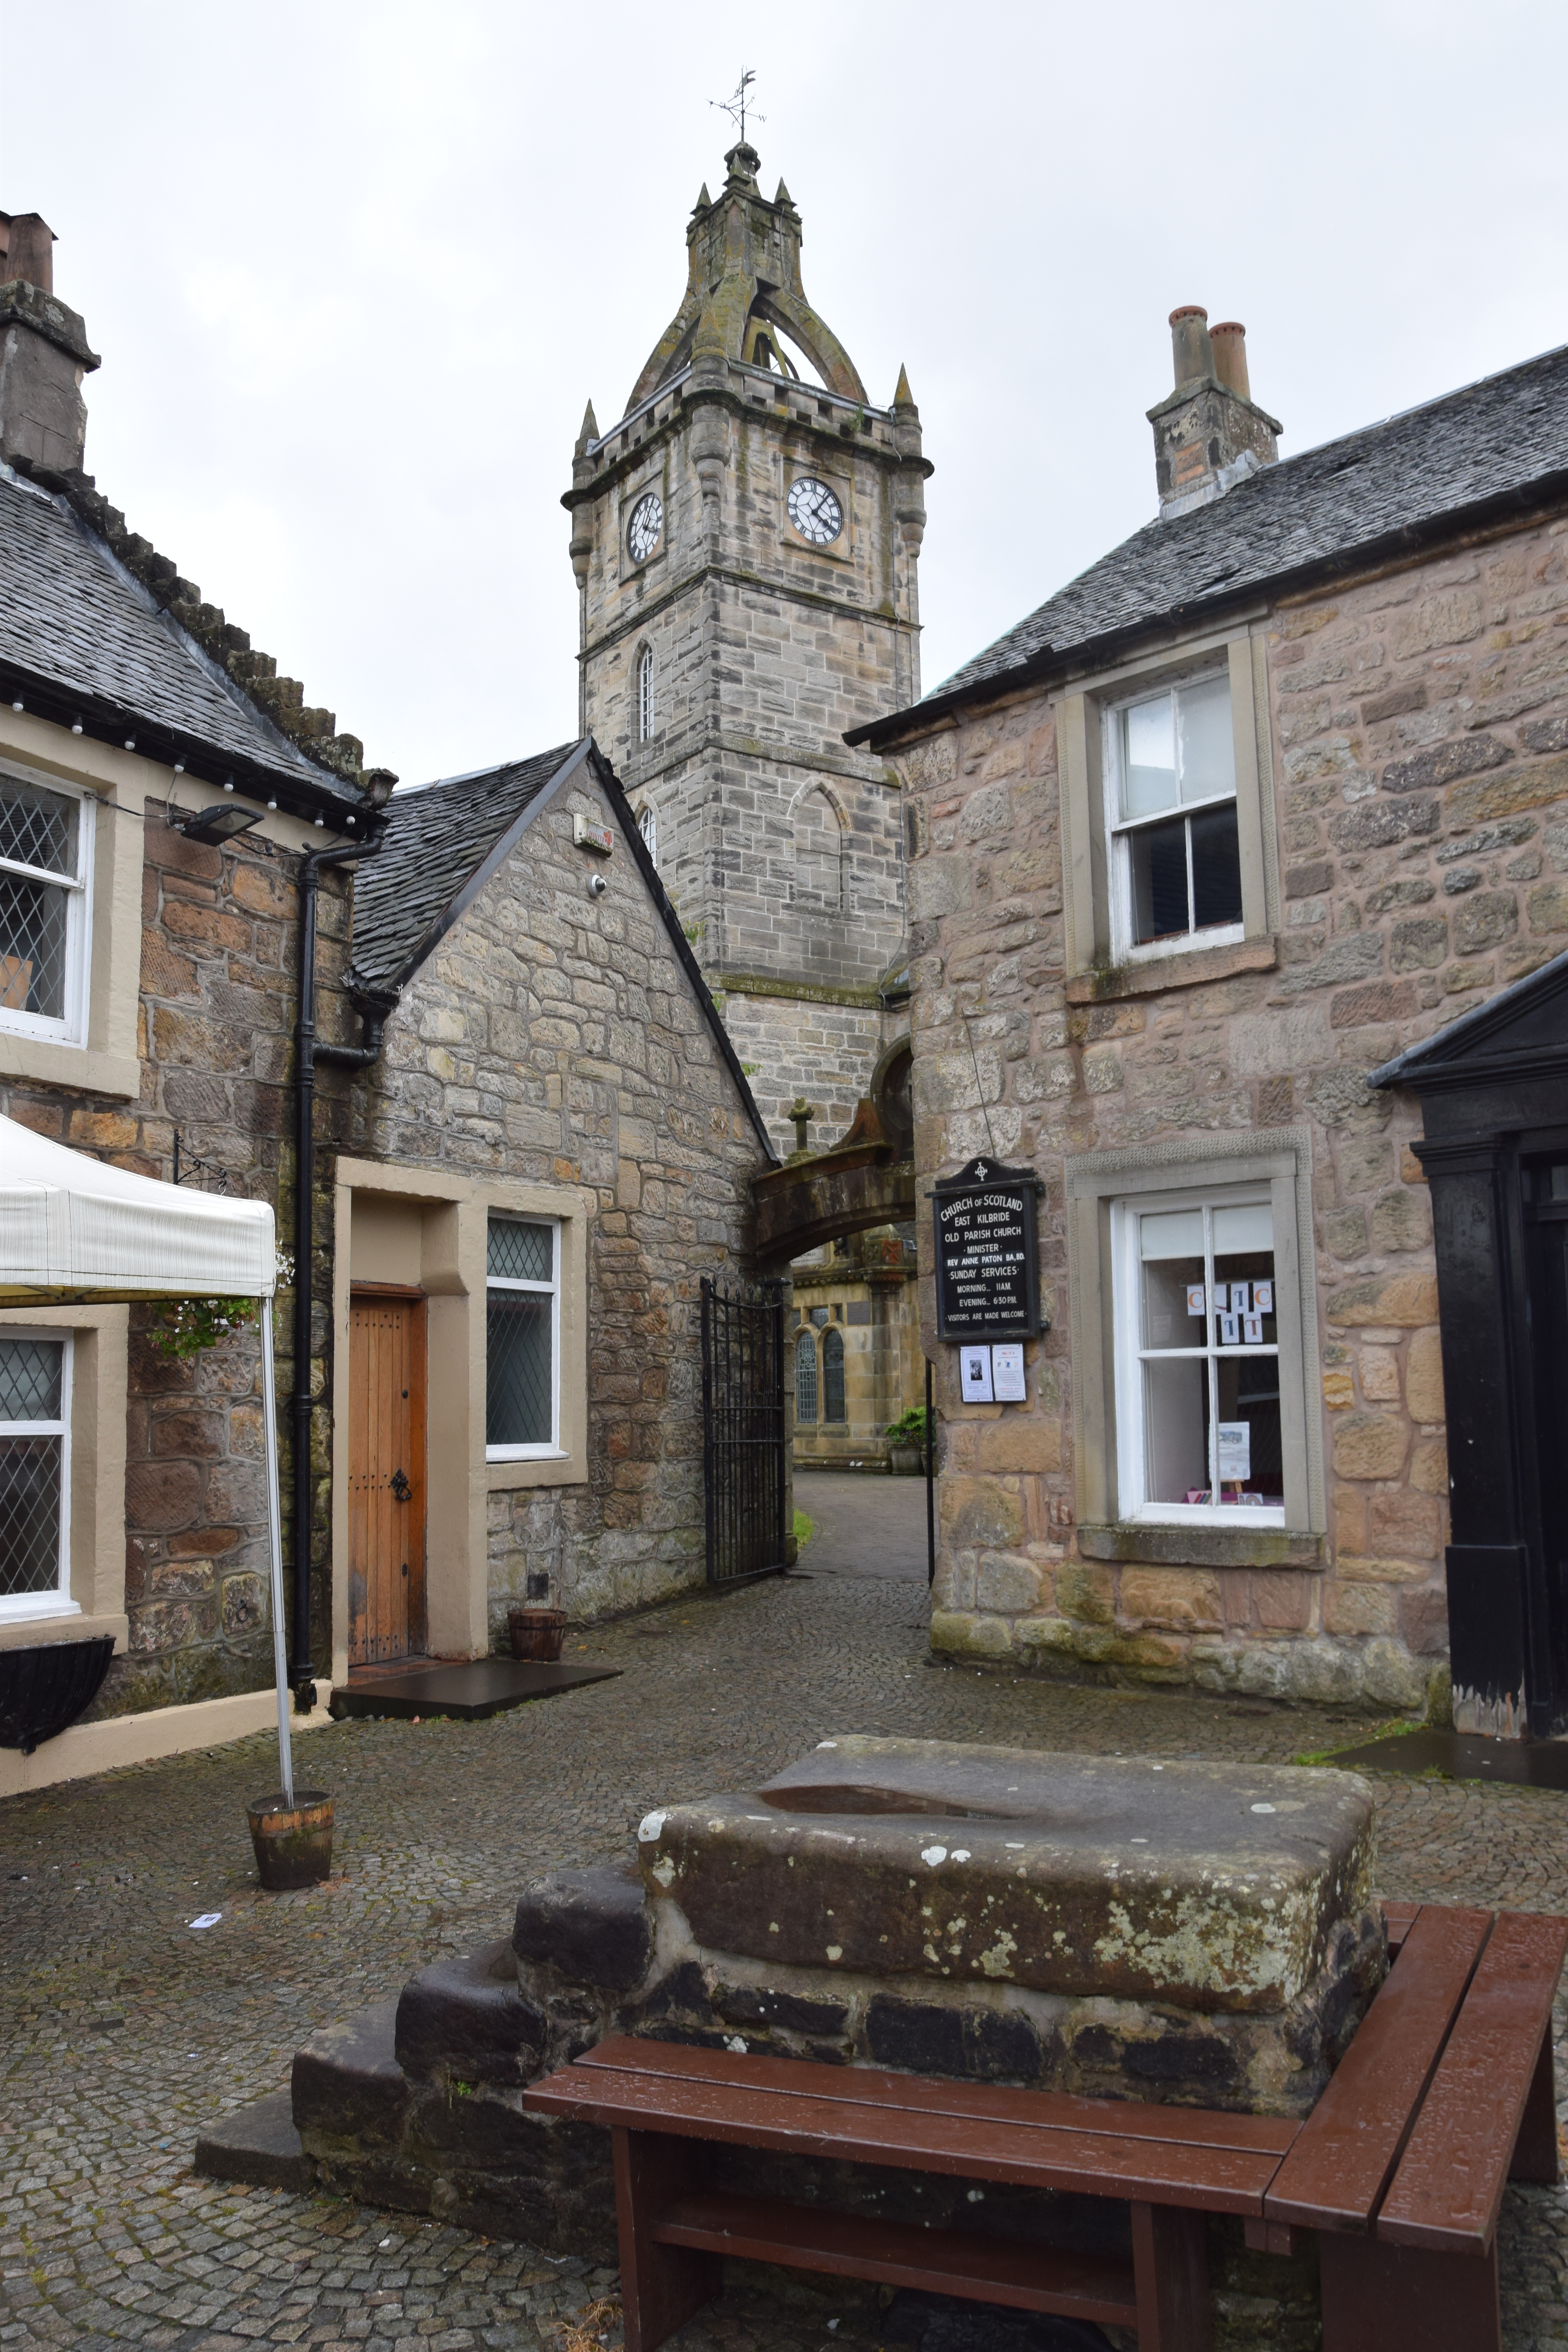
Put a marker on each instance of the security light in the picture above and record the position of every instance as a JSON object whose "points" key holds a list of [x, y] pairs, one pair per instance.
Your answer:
{"points": [[220, 822]]}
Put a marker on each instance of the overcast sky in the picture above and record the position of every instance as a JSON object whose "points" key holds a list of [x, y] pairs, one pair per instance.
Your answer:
{"points": [[355, 267]]}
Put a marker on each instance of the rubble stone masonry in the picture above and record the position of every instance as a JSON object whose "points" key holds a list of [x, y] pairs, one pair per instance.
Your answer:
{"points": [[555, 1039], [1417, 733], [214, 1044]]}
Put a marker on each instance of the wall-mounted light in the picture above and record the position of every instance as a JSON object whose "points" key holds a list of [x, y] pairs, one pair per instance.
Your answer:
{"points": [[76, 726], [220, 822], [131, 743], [15, 706], [179, 767], [272, 804], [228, 783]]}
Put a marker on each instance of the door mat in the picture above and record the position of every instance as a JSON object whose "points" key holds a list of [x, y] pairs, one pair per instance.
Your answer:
{"points": [[465, 1691], [1462, 1756]]}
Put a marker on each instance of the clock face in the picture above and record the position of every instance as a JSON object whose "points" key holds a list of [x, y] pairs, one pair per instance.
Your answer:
{"points": [[646, 526], [814, 511]]}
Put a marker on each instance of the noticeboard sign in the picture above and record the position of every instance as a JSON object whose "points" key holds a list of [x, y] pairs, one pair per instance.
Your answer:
{"points": [[987, 1254]]}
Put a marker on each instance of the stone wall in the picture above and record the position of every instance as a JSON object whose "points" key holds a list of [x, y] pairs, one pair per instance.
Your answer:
{"points": [[214, 1037], [867, 1295], [1419, 796], [781, 848], [556, 1039]]}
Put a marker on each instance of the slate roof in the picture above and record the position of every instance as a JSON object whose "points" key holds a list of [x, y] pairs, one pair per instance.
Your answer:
{"points": [[431, 861], [1498, 445], [77, 625], [441, 843]]}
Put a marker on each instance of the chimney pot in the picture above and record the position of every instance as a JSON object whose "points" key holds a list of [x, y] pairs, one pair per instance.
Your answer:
{"points": [[30, 250], [1228, 343], [1190, 351]]}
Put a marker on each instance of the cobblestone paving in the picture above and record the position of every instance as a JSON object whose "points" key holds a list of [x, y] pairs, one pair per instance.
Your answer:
{"points": [[123, 2030]]}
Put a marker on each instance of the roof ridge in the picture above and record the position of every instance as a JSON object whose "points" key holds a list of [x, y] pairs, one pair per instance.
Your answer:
{"points": [[279, 701]]}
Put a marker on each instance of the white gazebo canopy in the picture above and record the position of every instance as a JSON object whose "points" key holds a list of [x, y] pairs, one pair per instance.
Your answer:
{"points": [[73, 1225], [73, 1229]]}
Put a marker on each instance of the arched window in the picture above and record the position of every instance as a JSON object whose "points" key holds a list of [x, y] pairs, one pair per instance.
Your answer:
{"points": [[805, 1377], [647, 825], [645, 694], [833, 1375], [818, 846]]}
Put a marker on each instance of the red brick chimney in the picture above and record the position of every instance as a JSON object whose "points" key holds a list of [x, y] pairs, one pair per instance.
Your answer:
{"points": [[44, 354], [1209, 434]]}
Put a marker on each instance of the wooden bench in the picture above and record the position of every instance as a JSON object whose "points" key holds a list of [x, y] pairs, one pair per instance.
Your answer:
{"points": [[1444, 2093]]}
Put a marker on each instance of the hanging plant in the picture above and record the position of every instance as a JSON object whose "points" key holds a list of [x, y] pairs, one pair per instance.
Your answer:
{"points": [[189, 1326]]}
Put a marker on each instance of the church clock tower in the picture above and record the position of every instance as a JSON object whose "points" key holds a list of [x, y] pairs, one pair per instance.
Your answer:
{"points": [[746, 541]]}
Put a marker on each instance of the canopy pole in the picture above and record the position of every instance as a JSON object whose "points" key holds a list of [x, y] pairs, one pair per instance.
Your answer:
{"points": [[275, 1551]]}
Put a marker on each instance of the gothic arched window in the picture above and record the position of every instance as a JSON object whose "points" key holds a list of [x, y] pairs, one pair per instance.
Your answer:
{"points": [[819, 849], [805, 1377], [833, 1376], [647, 825], [645, 694]]}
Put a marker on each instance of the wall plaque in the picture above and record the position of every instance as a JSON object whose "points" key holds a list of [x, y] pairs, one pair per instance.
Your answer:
{"points": [[987, 1261]]}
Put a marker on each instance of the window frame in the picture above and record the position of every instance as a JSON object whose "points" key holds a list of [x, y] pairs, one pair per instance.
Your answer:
{"points": [[645, 695], [805, 1337], [647, 827], [69, 1027], [834, 1361], [38, 1607], [1119, 829], [539, 1451], [1130, 1356], [1155, 1176], [1079, 710]]}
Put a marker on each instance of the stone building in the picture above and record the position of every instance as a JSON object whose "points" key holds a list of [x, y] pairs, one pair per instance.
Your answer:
{"points": [[746, 543], [1207, 854], [553, 1146], [160, 785], [534, 1066]]}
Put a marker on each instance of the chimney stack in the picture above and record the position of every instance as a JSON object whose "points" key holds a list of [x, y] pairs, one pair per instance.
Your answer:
{"points": [[1208, 433], [43, 355]]}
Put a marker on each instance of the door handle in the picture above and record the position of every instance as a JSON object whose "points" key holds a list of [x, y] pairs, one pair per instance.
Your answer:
{"points": [[398, 1481]]}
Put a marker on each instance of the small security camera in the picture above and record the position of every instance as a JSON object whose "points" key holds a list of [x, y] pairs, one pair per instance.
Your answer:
{"points": [[597, 885]]}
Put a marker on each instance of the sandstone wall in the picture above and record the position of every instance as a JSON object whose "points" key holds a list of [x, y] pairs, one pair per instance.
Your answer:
{"points": [[781, 848], [215, 1036], [1419, 734], [556, 1039]]}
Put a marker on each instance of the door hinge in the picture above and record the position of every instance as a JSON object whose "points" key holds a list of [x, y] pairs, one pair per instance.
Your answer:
{"points": [[398, 1481]]}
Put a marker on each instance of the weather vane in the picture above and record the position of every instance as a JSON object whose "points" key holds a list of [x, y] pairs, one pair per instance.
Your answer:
{"points": [[735, 105]]}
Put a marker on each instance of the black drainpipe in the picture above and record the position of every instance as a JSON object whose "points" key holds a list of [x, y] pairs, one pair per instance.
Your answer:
{"points": [[374, 1012]]}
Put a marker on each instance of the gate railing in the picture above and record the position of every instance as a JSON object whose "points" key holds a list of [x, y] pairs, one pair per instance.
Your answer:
{"points": [[743, 1429]]}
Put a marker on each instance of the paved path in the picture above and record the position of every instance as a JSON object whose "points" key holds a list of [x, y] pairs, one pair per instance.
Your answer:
{"points": [[867, 1524], [123, 2030]]}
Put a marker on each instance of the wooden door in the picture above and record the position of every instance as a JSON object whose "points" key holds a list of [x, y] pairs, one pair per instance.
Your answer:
{"points": [[386, 1476]]}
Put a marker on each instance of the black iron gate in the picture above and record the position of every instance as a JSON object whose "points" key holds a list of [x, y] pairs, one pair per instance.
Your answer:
{"points": [[743, 1429]]}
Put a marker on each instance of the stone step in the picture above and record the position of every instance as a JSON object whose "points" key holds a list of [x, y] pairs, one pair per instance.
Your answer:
{"points": [[258, 2145], [347, 2086]]}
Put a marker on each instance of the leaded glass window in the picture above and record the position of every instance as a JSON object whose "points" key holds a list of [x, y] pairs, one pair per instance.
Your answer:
{"points": [[805, 1377], [832, 1408], [522, 1312], [35, 1403], [645, 694], [45, 863]]}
